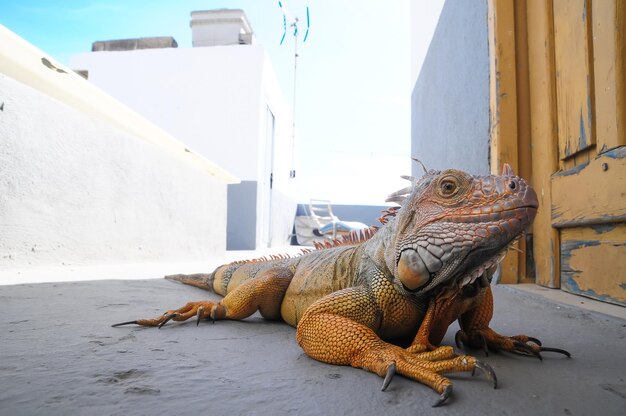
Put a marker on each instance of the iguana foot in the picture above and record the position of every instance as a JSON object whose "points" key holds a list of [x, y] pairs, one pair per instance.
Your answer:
{"points": [[447, 389], [201, 310], [426, 367], [339, 340], [488, 339]]}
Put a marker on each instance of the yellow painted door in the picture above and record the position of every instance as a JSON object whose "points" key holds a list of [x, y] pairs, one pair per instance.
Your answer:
{"points": [[588, 188]]}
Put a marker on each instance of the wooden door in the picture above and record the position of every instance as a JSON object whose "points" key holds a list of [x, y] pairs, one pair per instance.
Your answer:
{"points": [[569, 83]]}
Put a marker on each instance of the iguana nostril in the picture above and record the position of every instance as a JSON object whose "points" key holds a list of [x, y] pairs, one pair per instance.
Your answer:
{"points": [[512, 185]]}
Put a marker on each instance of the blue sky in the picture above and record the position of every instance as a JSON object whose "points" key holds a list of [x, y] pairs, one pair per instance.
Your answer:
{"points": [[353, 101]]}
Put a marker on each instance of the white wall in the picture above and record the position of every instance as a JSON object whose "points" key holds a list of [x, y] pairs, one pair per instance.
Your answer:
{"points": [[75, 190], [208, 97], [282, 203], [424, 19], [214, 99], [450, 99]]}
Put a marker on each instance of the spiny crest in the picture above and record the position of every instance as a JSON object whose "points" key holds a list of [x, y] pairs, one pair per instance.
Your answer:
{"points": [[353, 238], [271, 257], [356, 236], [359, 236], [388, 214], [399, 197]]}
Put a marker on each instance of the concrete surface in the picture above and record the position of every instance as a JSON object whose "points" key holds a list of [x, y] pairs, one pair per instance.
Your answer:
{"points": [[60, 356]]}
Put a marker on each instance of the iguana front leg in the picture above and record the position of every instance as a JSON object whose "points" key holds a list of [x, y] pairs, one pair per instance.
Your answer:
{"points": [[339, 329], [264, 293], [475, 332]]}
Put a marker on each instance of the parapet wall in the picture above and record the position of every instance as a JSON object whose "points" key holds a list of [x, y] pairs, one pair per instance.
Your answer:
{"points": [[85, 181], [75, 190]]}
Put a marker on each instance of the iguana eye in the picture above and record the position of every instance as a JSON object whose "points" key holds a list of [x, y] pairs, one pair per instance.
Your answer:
{"points": [[448, 187]]}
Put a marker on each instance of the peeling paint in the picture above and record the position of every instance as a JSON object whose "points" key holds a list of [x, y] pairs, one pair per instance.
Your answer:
{"points": [[555, 213], [573, 171], [594, 267], [570, 285], [603, 228], [587, 222], [568, 246], [617, 153]]}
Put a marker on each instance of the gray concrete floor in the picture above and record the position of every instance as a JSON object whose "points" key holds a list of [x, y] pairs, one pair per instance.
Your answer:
{"points": [[60, 356]]}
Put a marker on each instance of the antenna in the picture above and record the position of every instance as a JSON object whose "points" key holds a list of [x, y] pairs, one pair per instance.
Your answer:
{"points": [[293, 23]]}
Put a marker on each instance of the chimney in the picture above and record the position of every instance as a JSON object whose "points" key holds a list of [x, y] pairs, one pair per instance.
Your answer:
{"points": [[220, 27]]}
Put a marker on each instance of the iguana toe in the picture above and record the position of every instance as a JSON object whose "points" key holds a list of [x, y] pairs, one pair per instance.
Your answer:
{"points": [[201, 310], [522, 348], [167, 317], [486, 339]]}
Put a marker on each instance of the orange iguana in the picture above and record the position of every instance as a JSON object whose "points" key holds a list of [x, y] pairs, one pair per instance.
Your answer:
{"points": [[429, 265]]}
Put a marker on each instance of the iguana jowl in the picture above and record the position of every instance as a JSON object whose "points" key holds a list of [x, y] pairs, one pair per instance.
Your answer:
{"points": [[429, 265]]}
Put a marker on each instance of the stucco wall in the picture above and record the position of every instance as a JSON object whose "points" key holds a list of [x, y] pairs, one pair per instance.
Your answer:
{"points": [[424, 18], [450, 99], [207, 97], [214, 99], [74, 190]]}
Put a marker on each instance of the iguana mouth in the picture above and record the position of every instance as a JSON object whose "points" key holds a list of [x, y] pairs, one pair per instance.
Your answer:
{"points": [[496, 214]]}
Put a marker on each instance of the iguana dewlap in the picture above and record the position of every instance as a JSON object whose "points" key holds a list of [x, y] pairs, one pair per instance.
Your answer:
{"points": [[430, 264]]}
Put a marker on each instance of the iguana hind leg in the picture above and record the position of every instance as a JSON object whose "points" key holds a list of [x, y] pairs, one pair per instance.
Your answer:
{"points": [[338, 330], [475, 332], [264, 293]]}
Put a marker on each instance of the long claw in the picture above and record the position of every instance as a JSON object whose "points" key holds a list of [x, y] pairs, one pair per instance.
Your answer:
{"points": [[391, 371], [535, 340], [167, 319], [199, 315], [560, 351], [124, 323], [487, 371], [485, 346], [444, 396], [525, 349]]}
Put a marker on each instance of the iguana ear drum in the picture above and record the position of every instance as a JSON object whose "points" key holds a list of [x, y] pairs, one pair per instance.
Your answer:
{"points": [[412, 271]]}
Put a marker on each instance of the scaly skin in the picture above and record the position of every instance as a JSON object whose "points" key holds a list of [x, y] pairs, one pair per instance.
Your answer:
{"points": [[428, 266]]}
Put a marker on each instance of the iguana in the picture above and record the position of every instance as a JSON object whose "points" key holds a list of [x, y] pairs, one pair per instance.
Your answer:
{"points": [[430, 264]]}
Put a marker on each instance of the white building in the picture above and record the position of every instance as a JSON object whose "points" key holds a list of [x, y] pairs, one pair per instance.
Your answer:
{"points": [[221, 97], [88, 187]]}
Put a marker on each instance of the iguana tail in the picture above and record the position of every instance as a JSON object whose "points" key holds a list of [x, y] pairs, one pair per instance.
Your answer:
{"points": [[201, 280], [219, 280]]}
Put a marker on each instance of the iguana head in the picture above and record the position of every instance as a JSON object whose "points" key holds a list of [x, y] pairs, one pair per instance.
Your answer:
{"points": [[453, 226]]}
